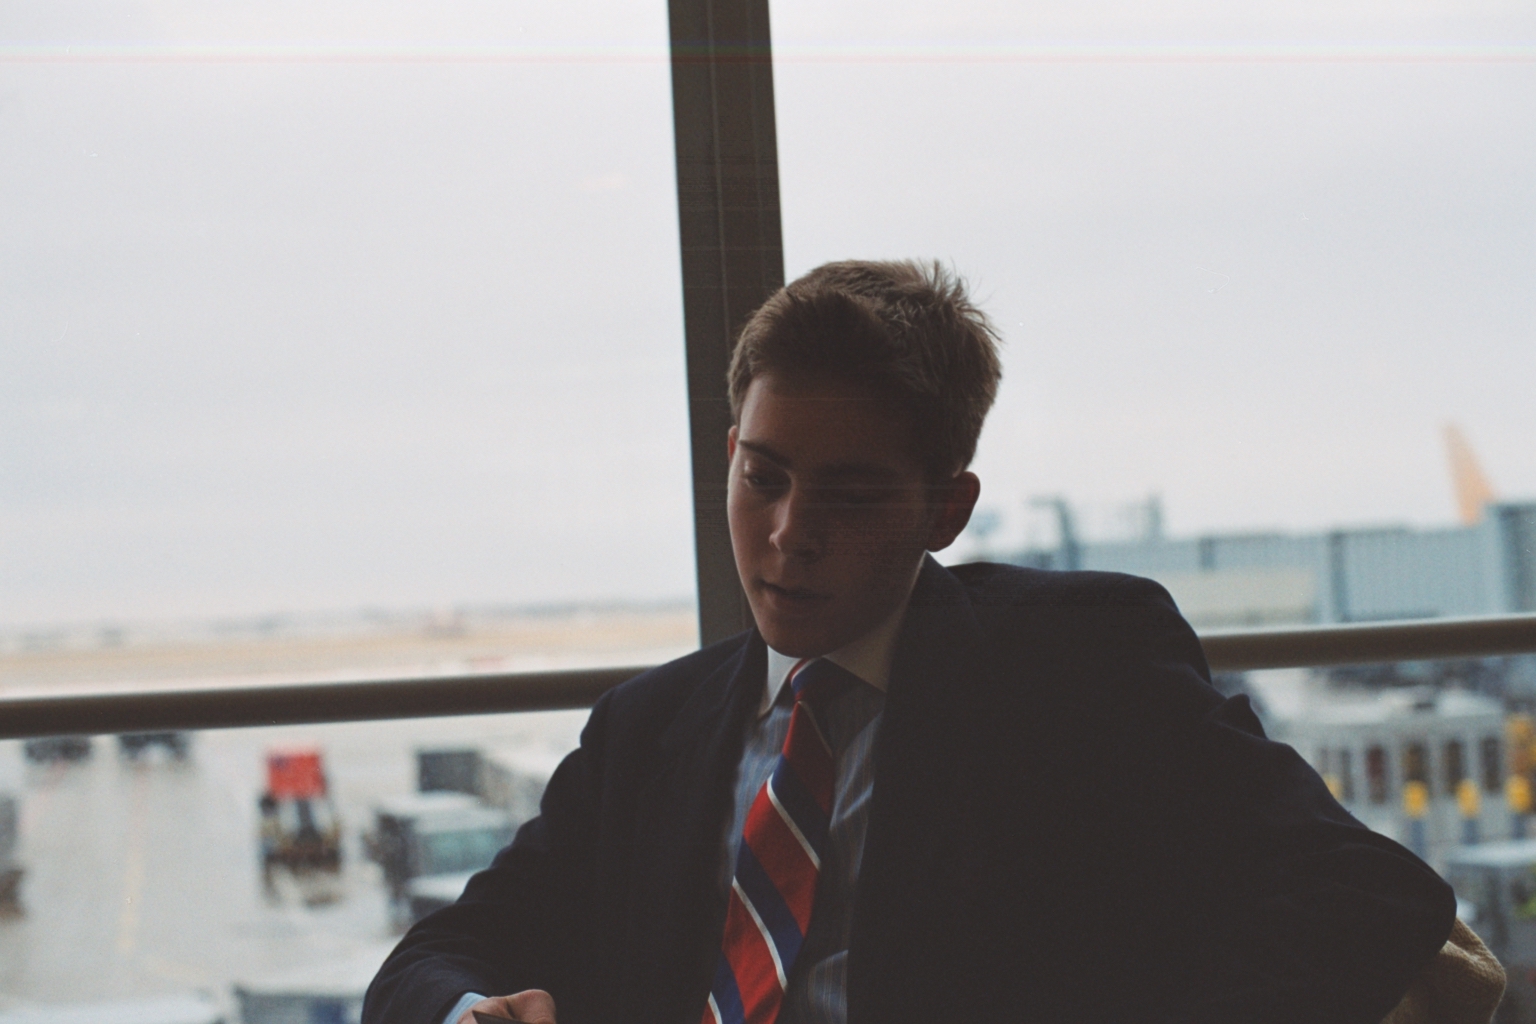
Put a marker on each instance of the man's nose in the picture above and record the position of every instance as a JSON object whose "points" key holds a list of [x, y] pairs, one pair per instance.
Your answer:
{"points": [[799, 528]]}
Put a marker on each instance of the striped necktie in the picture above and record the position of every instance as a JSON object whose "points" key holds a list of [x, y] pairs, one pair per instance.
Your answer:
{"points": [[782, 845]]}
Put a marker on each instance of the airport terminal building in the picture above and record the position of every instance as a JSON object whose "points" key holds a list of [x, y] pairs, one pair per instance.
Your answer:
{"points": [[1346, 575]]}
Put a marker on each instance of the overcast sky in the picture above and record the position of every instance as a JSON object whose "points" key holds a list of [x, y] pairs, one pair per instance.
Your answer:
{"points": [[322, 308]]}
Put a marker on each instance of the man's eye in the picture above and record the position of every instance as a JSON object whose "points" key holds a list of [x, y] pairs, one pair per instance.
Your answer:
{"points": [[762, 480]]}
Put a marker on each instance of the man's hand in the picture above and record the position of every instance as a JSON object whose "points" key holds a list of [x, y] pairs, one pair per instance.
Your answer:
{"points": [[533, 1006]]}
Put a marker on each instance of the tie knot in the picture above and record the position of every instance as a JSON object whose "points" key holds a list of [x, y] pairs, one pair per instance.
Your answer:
{"points": [[820, 682]]}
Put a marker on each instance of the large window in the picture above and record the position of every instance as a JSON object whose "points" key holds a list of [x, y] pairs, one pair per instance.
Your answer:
{"points": [[333, 310], [334, 340]]}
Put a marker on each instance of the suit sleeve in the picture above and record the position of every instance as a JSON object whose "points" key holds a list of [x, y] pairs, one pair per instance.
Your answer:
{"points": [[522, 923], [1300, 913]]}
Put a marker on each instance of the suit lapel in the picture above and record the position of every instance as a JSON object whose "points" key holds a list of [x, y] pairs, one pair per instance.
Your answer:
{"points": [[910, 808], [681, 814]]}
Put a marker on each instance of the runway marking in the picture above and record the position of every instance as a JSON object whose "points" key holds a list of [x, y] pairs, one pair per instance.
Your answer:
{"points": [[133, 868]]}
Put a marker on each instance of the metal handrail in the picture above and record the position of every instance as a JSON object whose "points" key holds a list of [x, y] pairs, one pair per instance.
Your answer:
{"points": [[264, 703], [1363, 642], [151, 709]]}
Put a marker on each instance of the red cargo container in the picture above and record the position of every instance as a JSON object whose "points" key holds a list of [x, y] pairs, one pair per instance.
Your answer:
{"points": [[295, 775]]}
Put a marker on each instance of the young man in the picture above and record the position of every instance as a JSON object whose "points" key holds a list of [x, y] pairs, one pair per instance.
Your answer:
{"points": [[918, 794]]}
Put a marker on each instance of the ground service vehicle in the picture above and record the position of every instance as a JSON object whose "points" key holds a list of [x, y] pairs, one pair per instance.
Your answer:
{"points": [[300, 829], [135, 744], [57, 748], [432, 835]]}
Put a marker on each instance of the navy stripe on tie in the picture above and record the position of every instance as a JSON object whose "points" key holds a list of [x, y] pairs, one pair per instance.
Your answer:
{"points": [[770, 906], [808, 816], [727, 995]]}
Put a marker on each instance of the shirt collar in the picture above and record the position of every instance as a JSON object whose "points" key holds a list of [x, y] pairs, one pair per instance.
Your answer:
{"points": [[868, 657]]}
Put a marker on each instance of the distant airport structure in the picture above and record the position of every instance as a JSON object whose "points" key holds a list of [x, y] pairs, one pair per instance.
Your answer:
{"points": [[1344, 575], [1485, 566]]}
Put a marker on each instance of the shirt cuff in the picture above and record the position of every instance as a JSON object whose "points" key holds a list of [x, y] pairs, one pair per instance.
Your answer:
{"points": [[465, 1002]]}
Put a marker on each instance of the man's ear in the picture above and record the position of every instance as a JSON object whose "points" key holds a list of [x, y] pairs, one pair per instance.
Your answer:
{"points": [[730, 444], [954, 500]]}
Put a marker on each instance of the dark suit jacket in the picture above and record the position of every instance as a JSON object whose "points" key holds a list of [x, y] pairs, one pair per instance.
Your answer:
{"points": [[1068, 825]]}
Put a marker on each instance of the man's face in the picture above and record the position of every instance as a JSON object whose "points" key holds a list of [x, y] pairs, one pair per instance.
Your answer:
{"points": [[830, 510]]}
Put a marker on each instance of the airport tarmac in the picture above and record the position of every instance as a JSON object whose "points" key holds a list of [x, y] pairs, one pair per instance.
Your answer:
{"points": [[142, 877]]}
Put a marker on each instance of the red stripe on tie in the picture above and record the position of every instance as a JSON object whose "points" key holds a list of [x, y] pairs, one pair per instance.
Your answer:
{"points": [[784, 860], [746, 950]]}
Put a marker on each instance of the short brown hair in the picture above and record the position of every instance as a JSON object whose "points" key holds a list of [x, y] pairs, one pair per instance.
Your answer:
{"points": [[907, 328]]}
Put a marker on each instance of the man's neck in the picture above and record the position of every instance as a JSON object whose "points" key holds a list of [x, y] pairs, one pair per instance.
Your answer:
{"points": [[868, 657]]}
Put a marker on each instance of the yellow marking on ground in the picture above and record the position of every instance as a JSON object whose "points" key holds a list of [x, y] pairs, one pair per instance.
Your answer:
{"points": [[179, 973]]}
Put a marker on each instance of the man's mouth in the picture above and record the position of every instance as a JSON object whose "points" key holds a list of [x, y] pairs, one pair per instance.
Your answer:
{"points": [[792, 595]]}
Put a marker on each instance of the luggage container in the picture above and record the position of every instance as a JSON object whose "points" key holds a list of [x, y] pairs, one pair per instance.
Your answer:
{"points": [[450, 771], [513, 778]]}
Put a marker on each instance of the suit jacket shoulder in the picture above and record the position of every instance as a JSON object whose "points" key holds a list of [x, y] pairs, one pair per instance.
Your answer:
{"points": [[1077, 643], [1060, 789]]}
